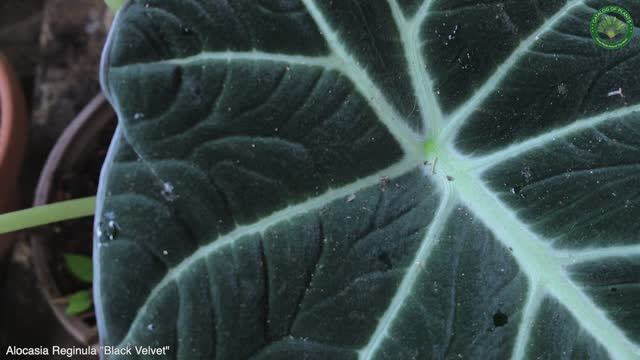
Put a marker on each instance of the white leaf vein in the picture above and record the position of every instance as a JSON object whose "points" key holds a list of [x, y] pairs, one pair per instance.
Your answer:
{"points": [[534, 300], [411, 275], [387, 114], [464, 112], [265, 223], [572, 257], [420, 80], [482, 163]]}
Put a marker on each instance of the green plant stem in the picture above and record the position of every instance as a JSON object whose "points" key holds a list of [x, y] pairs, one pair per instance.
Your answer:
{"points": [[114, 5], [47, 214]]}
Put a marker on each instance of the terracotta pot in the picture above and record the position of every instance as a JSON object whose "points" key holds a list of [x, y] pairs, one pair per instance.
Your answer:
{"points": [[72, 149], [13, 139]]}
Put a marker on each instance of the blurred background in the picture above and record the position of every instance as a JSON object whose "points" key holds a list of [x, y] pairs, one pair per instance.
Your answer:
{"points": [[54, 47]]}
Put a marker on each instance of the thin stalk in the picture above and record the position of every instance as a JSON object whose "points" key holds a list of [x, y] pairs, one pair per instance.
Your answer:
{"points": [[47, 214], [114, 5]]}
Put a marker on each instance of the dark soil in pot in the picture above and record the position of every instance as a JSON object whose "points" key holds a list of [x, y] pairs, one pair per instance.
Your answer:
{"points": [[75, 237]]}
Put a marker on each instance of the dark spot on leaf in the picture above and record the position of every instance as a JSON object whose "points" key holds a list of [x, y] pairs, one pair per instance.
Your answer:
{"points": [[384, 258], [500, 319], [613, 289]]}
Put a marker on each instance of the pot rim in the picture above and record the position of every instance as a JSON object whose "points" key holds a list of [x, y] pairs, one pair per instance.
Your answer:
{"points": [[13, 141], [13, 116], [73, 141]]}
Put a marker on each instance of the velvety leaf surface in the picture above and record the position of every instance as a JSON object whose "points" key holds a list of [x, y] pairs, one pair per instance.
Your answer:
{"points": [[392, 179]]}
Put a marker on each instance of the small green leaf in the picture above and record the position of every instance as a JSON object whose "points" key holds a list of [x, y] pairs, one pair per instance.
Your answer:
{"points": [[79, 302], [80, 266], [114, 5]]}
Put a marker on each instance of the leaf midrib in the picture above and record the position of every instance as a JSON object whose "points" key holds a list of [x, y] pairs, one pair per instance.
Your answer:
{"points": [[481, 201], [539, 261]]}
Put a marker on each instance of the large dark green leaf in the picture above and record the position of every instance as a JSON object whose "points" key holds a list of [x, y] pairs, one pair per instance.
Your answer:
{"points": [[370, 179]]}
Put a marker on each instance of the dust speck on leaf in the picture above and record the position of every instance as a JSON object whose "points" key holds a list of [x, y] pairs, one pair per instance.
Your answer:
{"points": [[517, 190], [167, 191], [617, 92], [112, 229], [384, 181], [526, 173], [562, 89]]}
